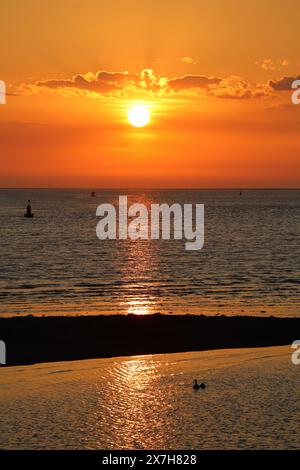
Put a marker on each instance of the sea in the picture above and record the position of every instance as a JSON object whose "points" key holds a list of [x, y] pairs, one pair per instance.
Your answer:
{"points": [[54, 264]]}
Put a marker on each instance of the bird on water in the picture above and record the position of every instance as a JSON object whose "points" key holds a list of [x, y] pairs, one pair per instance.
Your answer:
{"points": [[197, 386]]}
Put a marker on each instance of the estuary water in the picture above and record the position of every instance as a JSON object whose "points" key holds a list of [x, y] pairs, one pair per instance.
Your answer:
{"points": [[252, 401]]}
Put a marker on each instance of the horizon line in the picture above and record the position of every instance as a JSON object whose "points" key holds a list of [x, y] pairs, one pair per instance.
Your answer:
{"points": [[93, 188]]}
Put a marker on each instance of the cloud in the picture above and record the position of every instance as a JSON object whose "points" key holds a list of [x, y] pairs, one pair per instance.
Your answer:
{"points": [[235, 87], [269, 64], [283, 84], [104, 82], [246, 95], [192, 81], [284, 63], [266, 64], [188, 60], [147, 82]]}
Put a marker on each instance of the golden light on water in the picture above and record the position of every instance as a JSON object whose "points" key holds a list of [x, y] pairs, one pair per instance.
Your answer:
{"points": [[138, 261], [138, 307]]}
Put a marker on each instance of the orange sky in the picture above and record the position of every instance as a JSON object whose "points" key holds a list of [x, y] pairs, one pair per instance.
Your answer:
{"points": [[210, 72]]}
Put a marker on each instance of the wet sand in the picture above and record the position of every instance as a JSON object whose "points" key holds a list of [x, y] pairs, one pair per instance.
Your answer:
{"points": [[32, 340]]}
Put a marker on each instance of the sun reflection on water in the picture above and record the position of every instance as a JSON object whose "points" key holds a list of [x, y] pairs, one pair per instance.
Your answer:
{"points": [[139, 264], [127, 403], [138, 307]]}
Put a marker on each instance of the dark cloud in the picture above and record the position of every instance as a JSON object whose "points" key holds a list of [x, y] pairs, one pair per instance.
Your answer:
{"points": [[103, 82], [192, 82], [283, 84], [247, 95], [106, 83]]}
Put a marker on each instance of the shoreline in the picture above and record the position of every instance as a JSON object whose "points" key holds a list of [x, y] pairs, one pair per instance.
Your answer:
{"points": [[31, 340]]}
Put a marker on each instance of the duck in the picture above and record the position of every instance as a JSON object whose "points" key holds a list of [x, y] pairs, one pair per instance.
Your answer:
{"points": [[197, 386]]}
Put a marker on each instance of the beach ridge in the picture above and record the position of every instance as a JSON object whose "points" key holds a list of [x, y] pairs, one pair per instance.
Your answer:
{"points": [[32, 340]]}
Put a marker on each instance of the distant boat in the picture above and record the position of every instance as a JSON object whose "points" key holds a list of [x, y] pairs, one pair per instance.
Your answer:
{"points": [[93, 194]]}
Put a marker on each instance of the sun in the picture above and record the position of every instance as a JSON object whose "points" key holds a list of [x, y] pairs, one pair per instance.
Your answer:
{"points": [[139, 115]]}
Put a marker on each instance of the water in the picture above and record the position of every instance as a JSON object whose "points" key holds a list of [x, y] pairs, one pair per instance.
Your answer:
{"points": [[54, 264], [252, 401]]}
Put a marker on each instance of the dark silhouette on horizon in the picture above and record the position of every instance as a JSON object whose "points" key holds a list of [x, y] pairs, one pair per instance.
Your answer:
{"points": [[28, 213]]}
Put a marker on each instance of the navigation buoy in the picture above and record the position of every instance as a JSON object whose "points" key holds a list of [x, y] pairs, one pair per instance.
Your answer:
{"points": [[28, 212]]}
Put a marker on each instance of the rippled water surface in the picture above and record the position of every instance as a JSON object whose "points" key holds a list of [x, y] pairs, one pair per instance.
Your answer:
{"points": [[54, 263], [252, 401]]}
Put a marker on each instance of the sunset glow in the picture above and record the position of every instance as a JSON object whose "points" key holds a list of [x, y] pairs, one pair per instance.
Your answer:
{"points": [[221, 115]]}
